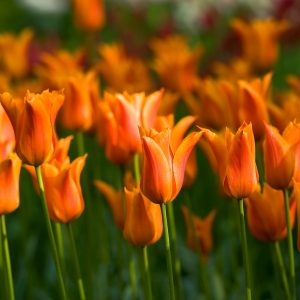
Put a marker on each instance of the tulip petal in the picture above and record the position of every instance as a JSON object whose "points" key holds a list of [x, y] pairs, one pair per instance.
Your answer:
{"points": [[241, 175], [180, 158], [157, 178]]}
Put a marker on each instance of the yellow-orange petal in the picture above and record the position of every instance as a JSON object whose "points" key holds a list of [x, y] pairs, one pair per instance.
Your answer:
{"points": [[9, 184], [179, 131], [279, 158], [157, 179], [180, 158], [143, 222]]}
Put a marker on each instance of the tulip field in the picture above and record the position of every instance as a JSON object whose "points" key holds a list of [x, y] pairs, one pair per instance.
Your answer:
{"points": [[149, 150]]}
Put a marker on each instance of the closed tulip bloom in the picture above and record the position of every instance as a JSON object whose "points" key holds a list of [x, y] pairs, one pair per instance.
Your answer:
{"points": [[63, 191], [235, 157], [199, 232], [81, 94], [143, 222], [33, 123], [89, 15], [279, 155], [9, 183], [254, 96], [266, 216], [114, 200], [164, 166]]}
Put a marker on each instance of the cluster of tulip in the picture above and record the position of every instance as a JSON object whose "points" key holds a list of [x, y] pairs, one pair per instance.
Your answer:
{"points": [[132, 120]]}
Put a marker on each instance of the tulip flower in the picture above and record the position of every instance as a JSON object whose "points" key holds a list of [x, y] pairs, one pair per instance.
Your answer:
{"points": [[89, 15], [264, 51], [235, 157], [265, 214], [14, 53], [63, 191], [143, 221], [81, 97], [114, 200], [175, 63], [121, 117], [199, 232], [254, 96], [55, 68], [279, 155], [122, 72], [33, 123], [9, 183], [164, 165]]}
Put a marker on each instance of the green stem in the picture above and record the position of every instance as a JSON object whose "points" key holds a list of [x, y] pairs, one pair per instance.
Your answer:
{"points": [[282, 270], [168, 252], [196, 241], [136, 164], [245, 248], [174, 251], [147, 289], [132, 274], [88, 219], [290, 244], [60, 247], [7, 259], [76, 262], [50, 233]]}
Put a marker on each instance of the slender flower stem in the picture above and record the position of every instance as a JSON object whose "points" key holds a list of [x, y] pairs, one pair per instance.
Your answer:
{"points": [[245, 248], [174, 251], [132, 274], [50, 233], [60, 246], [76, 262], [147, 289], [147, 277], [136, 164], [88, 219], [282, 270], [7, 259], [202, 270], [168, 252], [290, 244]]}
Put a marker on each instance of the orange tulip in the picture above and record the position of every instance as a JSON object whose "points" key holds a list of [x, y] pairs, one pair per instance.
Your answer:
{"points": [[203, 231], [143, 222], [114, 200], [9, 183], [121, 117], [33, 122], [55, 68], [14, 53], [175, 63], [81, 97], [122, 72], [265, 213], [254, 96], [63, 191], [164, 165], [260, 40], [89, 15], [279, 155], [235, 158]]}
